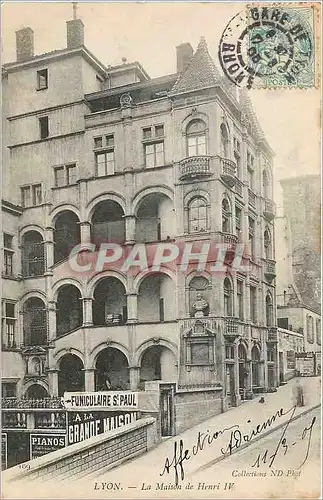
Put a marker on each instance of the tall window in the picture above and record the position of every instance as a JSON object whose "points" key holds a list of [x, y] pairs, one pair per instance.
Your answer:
{"points": [[265, 184], [267, 244], [240, 299], [43, 127], [42, 79], [237, 155], [224, 141], [226, 216], [228, 297], [269, 310], [153, 142], [318, 331], [7, 255], [31, 196], [196, 138], [197, 215], [104, 155], [65, 175], [255, 359], [251, 236], [34, 322], [32, 254], [310, 328], [8, 324], [250, 169], [253, 304], [238, 223]]}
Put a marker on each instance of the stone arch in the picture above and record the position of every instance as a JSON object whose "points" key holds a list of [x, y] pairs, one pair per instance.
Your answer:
{"points": [[104, 345], [31, 227], [64, 207], [143, 274], [151, 342], [195, 193], [33, 293], [62, 352], [94, 280], [194, 115], [66, 281], [30, 383], [106, 196], [161, 188]]}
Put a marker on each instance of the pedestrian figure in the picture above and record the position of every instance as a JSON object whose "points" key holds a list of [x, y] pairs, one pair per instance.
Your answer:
{"points": [[298, 394]]}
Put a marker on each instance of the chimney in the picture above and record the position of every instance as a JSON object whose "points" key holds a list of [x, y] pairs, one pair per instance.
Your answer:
{"points": [[75, 34], [184, 52], [24, 44]]}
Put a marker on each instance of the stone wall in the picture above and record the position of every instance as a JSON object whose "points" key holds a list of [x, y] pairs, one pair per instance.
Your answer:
{"points": [[99, 453], [191, 408]]}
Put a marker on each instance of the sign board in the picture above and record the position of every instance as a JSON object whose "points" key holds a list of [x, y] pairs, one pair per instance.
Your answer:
{"points": [[83, 425], [104, 401], [4, 450], [305, 364], [290, 358], [41, 444]]}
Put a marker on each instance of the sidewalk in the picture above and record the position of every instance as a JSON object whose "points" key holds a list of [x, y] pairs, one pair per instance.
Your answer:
{"points": [[148, 467]]}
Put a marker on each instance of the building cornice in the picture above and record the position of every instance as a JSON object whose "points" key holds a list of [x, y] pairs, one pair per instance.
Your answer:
{"points": [[46, 110], [61, 136], [9, 207], [54, 56]]}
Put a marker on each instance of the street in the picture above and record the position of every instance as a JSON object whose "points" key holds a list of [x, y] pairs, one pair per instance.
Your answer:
{"points": [[254, 470]]}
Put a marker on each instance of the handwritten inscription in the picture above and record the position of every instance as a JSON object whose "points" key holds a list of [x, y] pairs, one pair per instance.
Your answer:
{"points": [[285, 445], [238, 439]]}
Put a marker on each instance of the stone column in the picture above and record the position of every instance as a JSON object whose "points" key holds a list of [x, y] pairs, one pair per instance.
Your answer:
{"points": [[130, 229], [87, 311], [85, 230], [51, 308], [134, 375], [53, 381], [49, 247], [89, 379], [132, 307]]}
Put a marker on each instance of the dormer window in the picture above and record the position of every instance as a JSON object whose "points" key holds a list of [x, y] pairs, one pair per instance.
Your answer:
{"points": [[42, 79]]}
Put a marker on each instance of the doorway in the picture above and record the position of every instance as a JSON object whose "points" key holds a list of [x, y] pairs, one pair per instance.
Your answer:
{"points": [[17, 448], [230, 385], [167, 409]]}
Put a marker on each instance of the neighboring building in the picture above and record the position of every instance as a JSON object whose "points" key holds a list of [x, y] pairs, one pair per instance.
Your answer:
{"points": [[289, 343], [109, 154], [292, 312], [302, 207]]}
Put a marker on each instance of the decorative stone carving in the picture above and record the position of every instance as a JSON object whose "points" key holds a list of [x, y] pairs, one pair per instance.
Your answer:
{"points": [[200, 307], [126, 101]]}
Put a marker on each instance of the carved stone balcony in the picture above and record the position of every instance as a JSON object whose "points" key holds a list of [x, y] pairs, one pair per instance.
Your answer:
{"points": [[272, 336], [270, 269], [228, 171], [232, 328], [270, 210], [251, 198], [195, 167]]}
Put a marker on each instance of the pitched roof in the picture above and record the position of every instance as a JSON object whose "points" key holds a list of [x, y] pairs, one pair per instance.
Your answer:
{"points": [[200, 72]]}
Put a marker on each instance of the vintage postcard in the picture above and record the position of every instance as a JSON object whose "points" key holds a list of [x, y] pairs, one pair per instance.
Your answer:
{"points": [[161, 250]]}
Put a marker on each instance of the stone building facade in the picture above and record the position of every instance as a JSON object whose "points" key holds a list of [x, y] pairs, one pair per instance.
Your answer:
{"points": [[302, 208], [99, 154]]}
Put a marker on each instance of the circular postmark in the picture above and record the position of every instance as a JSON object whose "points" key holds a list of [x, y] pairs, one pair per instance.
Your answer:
{"points": [[269, 47]]}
